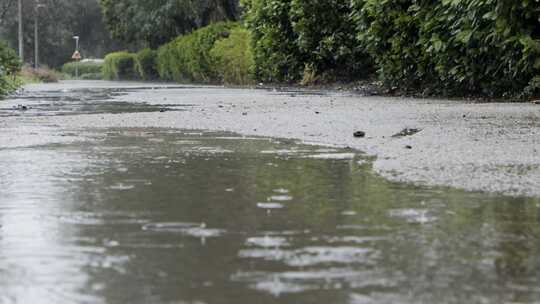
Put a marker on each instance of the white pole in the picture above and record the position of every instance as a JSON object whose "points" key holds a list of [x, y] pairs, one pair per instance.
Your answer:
{"points": [[36, 40], [21, 41], [76, 60]]}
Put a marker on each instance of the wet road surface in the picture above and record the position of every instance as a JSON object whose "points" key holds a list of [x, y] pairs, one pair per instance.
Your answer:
{"points": [[161, 215]]}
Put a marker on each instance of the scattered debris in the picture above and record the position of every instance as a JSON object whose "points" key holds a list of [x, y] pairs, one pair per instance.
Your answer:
{"points": [[22, 108], [407, 132], [359, 134]]}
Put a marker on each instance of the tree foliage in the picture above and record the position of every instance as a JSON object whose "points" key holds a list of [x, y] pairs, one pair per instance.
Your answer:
{"points": [[160, 21], [5, 8], [59, 21]]}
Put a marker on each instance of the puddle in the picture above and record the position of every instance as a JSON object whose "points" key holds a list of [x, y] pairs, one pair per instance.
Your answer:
{"points": [[76, 102], [172, 216]]}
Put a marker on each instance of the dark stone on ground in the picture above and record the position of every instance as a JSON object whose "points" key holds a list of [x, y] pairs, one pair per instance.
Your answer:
{"points": [[360, 134]]}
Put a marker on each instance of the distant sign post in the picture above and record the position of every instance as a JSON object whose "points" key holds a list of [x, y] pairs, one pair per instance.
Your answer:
{"points": [[76, 56]]}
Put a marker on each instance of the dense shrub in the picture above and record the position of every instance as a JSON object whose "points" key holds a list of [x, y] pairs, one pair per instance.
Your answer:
{"points": [[165, 57], [458, 47], [87, 70], [187, 58], [295, 39], [120, 66], [145, 64], [233, 57], [9, 66], [7, 84], [277, 57], [327, 39]]}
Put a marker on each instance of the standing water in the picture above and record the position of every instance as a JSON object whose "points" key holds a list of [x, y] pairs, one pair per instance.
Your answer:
{"points": [[173, 216]]}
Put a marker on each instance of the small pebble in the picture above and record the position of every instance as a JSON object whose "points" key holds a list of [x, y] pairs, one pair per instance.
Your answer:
{"points": [[360, 134]]}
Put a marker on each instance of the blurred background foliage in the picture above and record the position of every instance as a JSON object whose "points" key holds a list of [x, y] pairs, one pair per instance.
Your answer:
{"points": [[479, 48]]}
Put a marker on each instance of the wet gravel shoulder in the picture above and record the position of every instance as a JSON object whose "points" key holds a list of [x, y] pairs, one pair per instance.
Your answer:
{"points": [[474, 146]]}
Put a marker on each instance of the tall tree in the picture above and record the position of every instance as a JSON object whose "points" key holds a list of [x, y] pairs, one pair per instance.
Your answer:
{"points": [[5, 7], [159, 21]]}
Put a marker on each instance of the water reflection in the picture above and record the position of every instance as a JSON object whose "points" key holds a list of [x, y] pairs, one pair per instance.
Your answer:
{"points": [[165, 216]]}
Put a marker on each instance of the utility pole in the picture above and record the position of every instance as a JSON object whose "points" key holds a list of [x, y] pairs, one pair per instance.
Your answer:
{"points": [[21, 38], [36, 33]]}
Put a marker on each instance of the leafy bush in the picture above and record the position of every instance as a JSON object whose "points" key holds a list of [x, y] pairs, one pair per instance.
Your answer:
{"points": [[277, 57], [7, 84], [295, 39], [233, 57], [120, 66], [187, 58], [145, 63], [165, 56], [9, 66], [90, 68], [458, 47], [327, 39], [9, 61]]}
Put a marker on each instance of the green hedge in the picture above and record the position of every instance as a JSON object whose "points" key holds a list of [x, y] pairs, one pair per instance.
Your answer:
{"points": [[188, 58], [277, 57], [120, 66], [233, 57], [449, 47], [87, 70], [9, 66], [218, 53], [459, 47], [299, 39], [146, 64]]}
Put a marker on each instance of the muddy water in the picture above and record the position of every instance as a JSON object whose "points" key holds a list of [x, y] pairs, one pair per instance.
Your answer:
{"points": [[172, 216]]}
